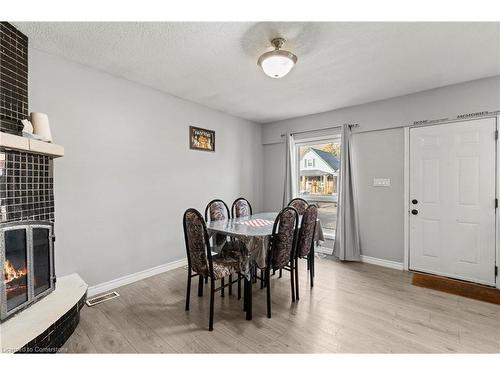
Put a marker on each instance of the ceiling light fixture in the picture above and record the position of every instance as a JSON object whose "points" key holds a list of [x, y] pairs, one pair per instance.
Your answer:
{"points": [[277, 63]]}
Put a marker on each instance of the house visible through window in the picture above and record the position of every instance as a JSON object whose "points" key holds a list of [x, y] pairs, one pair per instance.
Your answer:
{"points": [[317, 177]]}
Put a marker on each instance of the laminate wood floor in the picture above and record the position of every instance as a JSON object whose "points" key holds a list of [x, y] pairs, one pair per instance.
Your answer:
{"points": [[353, 308]]}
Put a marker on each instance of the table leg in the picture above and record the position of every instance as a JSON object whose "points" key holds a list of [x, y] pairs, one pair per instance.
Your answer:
{"points": [[248, 299]]}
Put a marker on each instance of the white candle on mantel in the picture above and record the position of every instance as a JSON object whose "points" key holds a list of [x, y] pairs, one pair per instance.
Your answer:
{"points": [[41, 127]]}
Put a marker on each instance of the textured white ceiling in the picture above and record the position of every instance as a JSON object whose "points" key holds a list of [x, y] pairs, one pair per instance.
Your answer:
{"points": [[339, 64]]}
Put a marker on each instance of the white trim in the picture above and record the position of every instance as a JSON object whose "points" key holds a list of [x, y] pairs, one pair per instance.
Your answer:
{"points": [[382, 262], [497, 216], [314, 140], [406, 206], [128, 279]]}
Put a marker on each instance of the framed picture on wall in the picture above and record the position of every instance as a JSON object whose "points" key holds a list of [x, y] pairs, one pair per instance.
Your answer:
{"points": [[201, 139]]}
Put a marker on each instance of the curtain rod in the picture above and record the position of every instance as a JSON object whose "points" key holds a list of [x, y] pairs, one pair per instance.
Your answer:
{"points": [[317, 130]]}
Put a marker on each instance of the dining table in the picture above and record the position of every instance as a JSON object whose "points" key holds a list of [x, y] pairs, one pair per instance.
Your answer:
{"points": [[254, 234]]}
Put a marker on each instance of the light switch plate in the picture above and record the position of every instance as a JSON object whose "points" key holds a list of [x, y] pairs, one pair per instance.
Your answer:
{"points": [[381, 182]]}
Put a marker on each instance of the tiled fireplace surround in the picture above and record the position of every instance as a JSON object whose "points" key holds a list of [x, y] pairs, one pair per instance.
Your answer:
{"points": [[13, 78], [26, 186], [26, 178]]}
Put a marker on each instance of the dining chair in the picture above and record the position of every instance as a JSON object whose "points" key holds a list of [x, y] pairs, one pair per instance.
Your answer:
{"points": [[217, 209], [305, 243], [281, 252], [299, 204], [241, 207], [202, 263]]}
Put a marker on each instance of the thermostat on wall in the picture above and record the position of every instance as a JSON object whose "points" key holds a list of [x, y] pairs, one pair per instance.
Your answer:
{"points": [[381, 182]]}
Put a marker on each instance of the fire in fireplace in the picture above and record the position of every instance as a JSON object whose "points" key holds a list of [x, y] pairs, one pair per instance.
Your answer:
{"points": [[16, 284], [26, 252]]}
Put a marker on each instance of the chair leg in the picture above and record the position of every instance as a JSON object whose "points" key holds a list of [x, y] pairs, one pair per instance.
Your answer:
{"points": [[274, 272], [292, 281], [188, 291], [206, 280], [200, 286], [239, 286], [230, 285], [297, 277], [212, 294], [311, 271], [281, 273], [268, 287], [312, 258], [222, 287], [245, 294], [261, 279]]}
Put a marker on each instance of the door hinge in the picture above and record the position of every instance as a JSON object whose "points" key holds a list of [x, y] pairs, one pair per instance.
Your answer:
{"points": [[496, 134], [496, 202], [496, 270]]}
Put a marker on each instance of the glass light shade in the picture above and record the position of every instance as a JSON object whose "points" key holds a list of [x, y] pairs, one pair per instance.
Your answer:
{"points": [[277, 63]]}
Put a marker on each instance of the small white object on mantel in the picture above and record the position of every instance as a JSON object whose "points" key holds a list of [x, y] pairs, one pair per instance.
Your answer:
{"points": [[28, 127], [31, 322]]}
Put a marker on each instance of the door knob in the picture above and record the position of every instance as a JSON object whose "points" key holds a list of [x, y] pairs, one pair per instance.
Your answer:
{"points": [[414, 201], [414, 212]]}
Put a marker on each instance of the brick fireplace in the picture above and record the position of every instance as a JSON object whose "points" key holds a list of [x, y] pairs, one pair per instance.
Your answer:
{"points": [[26, 189], [36, 314]]}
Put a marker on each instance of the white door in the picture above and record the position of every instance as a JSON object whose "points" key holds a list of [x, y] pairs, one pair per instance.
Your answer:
{"points": [[452, 200]]}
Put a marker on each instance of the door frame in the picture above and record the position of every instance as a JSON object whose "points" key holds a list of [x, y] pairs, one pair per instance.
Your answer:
{"points": [[406, 186]]}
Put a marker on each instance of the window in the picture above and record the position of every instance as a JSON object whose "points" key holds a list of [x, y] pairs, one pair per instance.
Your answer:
{"points": [[317, 177], [309, 163]]}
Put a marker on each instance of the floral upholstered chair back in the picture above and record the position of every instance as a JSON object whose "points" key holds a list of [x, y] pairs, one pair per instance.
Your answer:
{"points": [[241, 207], [299, 204], [217, 210], [307, 229], [195, 235], [283, 239]]}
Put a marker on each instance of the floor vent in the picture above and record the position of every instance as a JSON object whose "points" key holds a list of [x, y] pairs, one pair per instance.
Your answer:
{"points": [[102, 298]]}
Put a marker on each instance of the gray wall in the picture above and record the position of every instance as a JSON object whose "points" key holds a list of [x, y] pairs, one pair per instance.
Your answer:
{"points": [[128, 174], [378, 153]]}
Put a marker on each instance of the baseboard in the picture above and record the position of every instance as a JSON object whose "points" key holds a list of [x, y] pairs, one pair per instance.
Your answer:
{"points": [[382, 262], [124, 280]]}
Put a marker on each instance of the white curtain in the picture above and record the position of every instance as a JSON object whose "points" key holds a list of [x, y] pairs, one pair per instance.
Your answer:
{"points": [[346, 245], [289, 188]]}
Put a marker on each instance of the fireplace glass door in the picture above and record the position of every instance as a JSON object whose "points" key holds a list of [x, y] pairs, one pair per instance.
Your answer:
{"points": [[27, 254], [15, 267], [41, 260]]}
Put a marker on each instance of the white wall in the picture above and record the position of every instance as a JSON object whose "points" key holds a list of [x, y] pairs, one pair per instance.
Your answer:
{"points": [[378, 153], [128, 173]]}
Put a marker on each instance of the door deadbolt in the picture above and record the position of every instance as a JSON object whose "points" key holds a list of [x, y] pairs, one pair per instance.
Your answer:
{"points": [[414, 212]]}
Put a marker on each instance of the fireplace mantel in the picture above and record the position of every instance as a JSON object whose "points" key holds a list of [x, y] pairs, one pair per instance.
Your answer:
{"points": [[49, 322], [15, 142]]}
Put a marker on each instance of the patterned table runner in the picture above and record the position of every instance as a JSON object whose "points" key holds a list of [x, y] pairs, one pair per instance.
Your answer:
{"points": [[257, 222]]}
